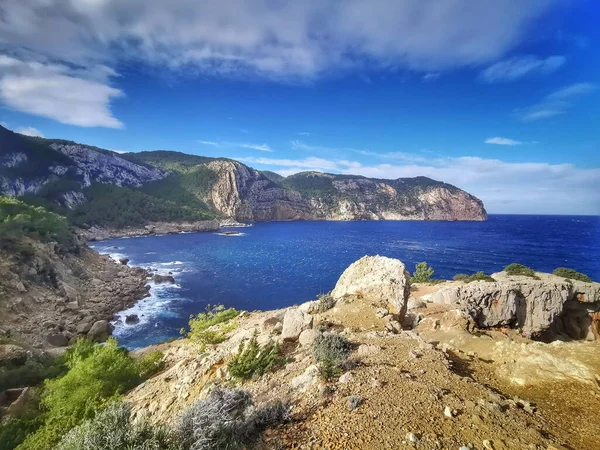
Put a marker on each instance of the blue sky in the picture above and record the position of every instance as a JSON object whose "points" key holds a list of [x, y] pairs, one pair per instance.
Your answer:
{"points": [[501, 98]]}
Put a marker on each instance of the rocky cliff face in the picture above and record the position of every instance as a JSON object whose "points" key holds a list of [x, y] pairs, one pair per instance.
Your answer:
{"points": [[60, 171], [49, 296], [247, 195]]}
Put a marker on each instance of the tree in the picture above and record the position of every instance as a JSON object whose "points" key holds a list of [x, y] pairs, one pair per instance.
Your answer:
{"points": [[422, 273]]}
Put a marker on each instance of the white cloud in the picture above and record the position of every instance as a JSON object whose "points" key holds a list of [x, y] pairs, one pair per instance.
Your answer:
{"points": [[73, 96], [278, 39], [29, 131], [213, 143], [521, 66], [260, 147], [303, 133], [431, 76], [556, 103], [502, 141], [504, 187]]}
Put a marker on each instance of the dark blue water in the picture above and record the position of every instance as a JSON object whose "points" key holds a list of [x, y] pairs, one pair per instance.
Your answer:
{"points": [[279, 264]]}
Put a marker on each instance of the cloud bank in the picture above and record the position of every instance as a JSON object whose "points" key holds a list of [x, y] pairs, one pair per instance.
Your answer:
{"points": [[58, 45]]}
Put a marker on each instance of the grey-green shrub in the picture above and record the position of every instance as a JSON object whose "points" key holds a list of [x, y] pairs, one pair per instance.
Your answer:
{"points": [[227, 419], [331, 350], [326, 302], [113, 429], [460, 277]]}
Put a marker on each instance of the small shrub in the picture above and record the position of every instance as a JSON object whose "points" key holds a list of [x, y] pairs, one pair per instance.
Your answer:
{"points": [[212, 326], [227, 419], [326, 302], [353, 401], [14, 430], [151, 364], [331, 350], [252, 360], [520, 269], [113, 429], [460, 277], [571, 274], [422, 274], [479, 276]]}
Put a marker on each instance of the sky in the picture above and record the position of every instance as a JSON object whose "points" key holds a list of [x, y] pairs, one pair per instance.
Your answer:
{"points": [[498, 97]]}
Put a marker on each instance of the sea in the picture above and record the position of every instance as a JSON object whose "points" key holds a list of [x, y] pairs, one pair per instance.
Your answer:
{"points": [[278, 264]]}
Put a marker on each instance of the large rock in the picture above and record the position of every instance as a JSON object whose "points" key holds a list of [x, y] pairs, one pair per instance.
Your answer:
{"points": [[377, 278], [294, 323], [12, 355], [550, 304], [100, 331], [57, 339]]}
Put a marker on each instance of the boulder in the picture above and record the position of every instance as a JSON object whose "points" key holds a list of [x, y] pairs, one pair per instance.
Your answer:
{"points": [[157, 278], [12, 355], [294, 323], [132, 319], [57, 339], [307, 337], [534, 306], [84, 327], [414, 303], [377, 278], [100, 331], [124, 261]]}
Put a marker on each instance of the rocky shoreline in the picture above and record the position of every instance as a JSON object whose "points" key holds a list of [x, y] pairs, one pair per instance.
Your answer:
{"points": [[96, 233]]}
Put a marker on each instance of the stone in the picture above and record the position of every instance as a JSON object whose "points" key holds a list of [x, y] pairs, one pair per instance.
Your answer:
{"points": [[414, 303], [381, 312], [57, 339], [12, 355], [309, 307], [309, 378], [100, 331], [307, 337], [366, 349], [294, 323], [377, 278], [391, 324], [346, 378], [534, 306], [124, 261], [448, 412], [132, 319], [84, 327], [157, 278], [411, 320]]}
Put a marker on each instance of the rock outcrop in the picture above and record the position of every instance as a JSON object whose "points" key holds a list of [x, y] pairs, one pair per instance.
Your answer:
{"points": [[96, 233], [51, 296], [378, 278], [540, 308]]}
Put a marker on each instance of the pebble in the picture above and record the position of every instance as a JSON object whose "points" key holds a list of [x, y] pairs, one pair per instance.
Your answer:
{"points": [[487, 445], [412, 437], [448, 412]]}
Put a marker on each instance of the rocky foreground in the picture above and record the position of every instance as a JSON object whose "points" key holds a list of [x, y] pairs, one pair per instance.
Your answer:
{"points": [[421, 374]]}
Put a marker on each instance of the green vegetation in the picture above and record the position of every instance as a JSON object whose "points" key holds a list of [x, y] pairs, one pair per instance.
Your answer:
{"points": [[151, 364], [113, 429], [253, 360], [331, 350], [479, 276], [460, 277], [422, 274], [353, 401], [119, 207], [14, 429], [520, 269], [212, 326], [326, 302], [571, 274], [98, 375], [19, 220]]}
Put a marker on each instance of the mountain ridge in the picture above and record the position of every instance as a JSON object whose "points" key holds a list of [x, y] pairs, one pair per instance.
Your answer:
{"points": [[93, 186]]}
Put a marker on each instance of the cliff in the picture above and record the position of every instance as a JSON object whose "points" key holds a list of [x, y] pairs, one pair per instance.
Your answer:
{"points": [[96, 187]]}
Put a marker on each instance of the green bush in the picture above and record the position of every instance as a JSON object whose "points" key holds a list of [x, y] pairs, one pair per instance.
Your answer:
{"points": [[571, 274], [151, 364], [326, 302], [331, 350], [14, 429], [19, 220], [520, 269], [212, 326], [422, 274], [479, 276], [113, 429], [228, 420], [460, 277], [252, 360], [95, 379]]}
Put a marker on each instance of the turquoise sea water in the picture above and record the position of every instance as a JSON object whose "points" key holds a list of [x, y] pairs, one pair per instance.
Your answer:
{"points": [[279, 264]]}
